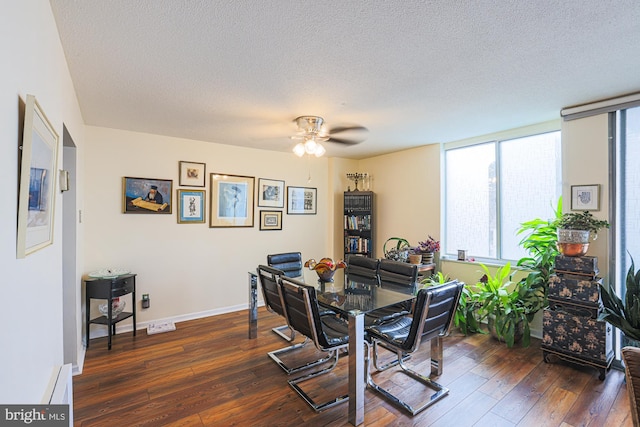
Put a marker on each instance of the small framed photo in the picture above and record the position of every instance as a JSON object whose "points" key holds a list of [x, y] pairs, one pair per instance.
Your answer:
{"points": [[301, 201], [147, 195], [192, 174], [231, 200], [191, 206], [270, 193], [585, 197], [270, 220]]}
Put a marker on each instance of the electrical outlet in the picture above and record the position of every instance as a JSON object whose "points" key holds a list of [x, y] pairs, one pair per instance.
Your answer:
{"points": [[146, 302]]}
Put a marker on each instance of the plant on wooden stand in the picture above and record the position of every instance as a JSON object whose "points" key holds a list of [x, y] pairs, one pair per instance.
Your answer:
{"points": [[574, 230]]}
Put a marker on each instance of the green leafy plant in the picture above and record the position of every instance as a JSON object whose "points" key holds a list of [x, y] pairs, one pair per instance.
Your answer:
{"points": [[540, 241], [581, 221], [501, 302], [466, 317], [623, 315]]}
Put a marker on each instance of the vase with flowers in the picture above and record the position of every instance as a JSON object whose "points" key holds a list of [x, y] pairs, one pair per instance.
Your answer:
{"points": [[325, 268], [428, 248]]}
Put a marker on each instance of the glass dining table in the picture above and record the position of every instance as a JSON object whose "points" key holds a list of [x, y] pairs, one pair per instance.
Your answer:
{"points": [[352, 297]]}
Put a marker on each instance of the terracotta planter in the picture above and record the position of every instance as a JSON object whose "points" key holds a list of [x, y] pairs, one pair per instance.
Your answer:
{"points": [[415, 259]]}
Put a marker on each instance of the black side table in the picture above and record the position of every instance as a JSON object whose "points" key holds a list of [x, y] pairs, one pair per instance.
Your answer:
{"points": [[108, 289]]}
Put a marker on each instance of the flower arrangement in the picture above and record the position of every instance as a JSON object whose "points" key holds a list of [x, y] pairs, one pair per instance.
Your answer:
{"points": [[326, 268], [430, 245]]}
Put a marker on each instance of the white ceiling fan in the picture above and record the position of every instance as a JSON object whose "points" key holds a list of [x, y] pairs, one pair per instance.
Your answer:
{"points": [[312, 130]]}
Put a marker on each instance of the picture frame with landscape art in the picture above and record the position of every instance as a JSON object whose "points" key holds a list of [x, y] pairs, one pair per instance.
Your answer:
{"points": [[38, 177], [270, 220], [270, 193], [192, 174], [231, 201], [191, 206], [147, 195], [301, 200]]}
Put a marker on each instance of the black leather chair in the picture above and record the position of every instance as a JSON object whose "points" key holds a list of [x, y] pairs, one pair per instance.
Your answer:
{"points": [[431, 320], [273, 301], [398, 273], [329, 333], [394, 274], [362, 267], [290, 263]]}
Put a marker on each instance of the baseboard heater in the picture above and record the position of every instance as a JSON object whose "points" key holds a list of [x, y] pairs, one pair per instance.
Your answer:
{"points": [[61, 391]]}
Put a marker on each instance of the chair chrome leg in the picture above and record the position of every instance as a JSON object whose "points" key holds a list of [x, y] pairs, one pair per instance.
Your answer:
{"points": [[294, 383], [279, 331], [388, 365], [291, 370], [440, 391]]}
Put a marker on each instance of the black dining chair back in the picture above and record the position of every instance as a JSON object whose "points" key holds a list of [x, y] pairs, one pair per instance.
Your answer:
{"points": [[397, 273], [290, 263], [268, 277], [431, 319], [329, 333], [437, 306], [361, 266]]}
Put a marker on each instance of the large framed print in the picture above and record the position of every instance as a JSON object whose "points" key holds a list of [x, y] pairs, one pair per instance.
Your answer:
{"points": [[270, 193], [147, 195], [192, 174], [231, 200], [191, 206], [38, 178], [301, 201], [585, 197], [270, 220]]}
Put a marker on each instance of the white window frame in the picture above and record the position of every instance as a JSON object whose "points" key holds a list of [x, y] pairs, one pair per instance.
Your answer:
{"points": [[496, 138]]}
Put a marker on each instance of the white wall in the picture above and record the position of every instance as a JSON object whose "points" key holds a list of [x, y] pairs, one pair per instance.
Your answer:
{"points": [[190, 269], [585, 159], [31, 314], [407, 187]]}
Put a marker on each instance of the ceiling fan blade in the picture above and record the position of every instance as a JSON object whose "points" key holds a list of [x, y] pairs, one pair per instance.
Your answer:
{"points": [[346, 141], [339, 129]]}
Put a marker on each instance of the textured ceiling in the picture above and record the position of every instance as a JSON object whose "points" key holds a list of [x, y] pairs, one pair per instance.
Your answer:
{"points": [[413, 72]]}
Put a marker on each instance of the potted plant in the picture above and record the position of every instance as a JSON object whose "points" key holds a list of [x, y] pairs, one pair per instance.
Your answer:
{"points": [[502, 304], [540, 240], [428, 248], [574, 230], [624, 315]]}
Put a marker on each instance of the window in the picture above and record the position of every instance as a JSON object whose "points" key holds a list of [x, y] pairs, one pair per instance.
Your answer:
{"points": [[627, 225], [492, 187]]}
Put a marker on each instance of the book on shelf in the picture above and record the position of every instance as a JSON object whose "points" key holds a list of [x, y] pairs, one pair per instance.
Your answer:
{"points": [[357, 222]]}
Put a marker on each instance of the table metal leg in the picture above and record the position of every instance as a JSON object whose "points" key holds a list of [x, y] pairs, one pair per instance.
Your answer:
{"points": [[253, 305], [356, 368]]}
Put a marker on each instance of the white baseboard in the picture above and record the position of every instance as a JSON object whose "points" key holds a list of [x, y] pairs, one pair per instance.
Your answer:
{"points": [[103, 332]]}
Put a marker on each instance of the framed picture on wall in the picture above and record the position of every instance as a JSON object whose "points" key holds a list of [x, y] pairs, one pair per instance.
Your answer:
{"points": [[270, 193], [270, 220], [301, 201], [38, 176], [231, 200], [585, 197], [192, 174], [191, 206], [147, 195]]}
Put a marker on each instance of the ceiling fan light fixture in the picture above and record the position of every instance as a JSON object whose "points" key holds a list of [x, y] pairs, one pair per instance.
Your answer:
{"points": [[319, 151], [299, 150]]}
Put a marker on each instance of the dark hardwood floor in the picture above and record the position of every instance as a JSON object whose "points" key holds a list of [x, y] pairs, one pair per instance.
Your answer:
{"points": [[208, 373]]}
